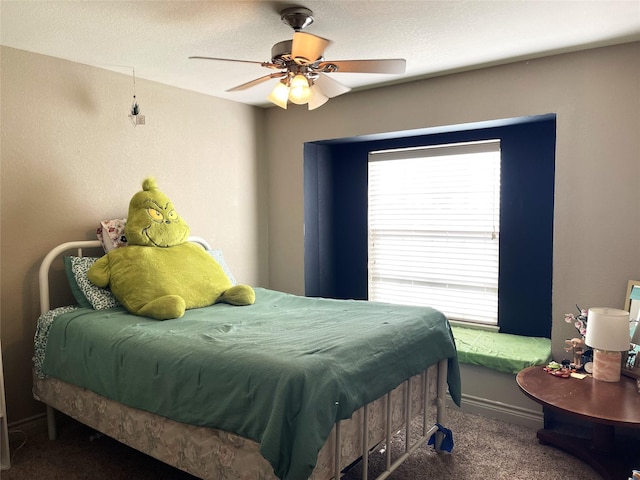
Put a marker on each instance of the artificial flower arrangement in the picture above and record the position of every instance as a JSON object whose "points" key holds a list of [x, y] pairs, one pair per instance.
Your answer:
{"points": [[580, 322]]}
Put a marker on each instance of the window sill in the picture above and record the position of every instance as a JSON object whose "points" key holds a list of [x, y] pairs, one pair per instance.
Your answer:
{"points": [[500, 351]]}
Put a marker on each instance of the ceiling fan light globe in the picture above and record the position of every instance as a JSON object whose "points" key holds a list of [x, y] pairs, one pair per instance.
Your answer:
{"points": [[299, 91], [300, 95], [317, 98], [299, 81], [279, 95]]}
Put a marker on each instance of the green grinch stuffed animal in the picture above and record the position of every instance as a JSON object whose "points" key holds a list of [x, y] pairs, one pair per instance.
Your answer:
{"points": [[160, 274]]}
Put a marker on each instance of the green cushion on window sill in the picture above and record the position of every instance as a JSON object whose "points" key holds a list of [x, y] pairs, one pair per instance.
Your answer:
{"points": [[503, 352]]}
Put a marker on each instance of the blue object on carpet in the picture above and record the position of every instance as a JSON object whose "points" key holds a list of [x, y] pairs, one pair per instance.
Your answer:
{"points": [[447, 441]]}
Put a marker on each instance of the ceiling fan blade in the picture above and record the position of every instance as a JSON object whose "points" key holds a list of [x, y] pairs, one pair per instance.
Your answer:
{"points": [[389, 65], [330, 87], [262, 64], [307, 48], [257, 81]]}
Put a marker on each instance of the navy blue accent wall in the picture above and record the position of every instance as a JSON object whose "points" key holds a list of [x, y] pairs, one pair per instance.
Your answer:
{"points": [[336, 215]]}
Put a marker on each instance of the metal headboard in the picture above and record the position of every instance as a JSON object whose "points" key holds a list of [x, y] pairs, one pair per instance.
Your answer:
{"points": [[45, 266]]}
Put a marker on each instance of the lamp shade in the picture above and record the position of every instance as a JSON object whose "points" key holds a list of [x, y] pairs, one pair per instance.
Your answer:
{"points": [[608, 329]]}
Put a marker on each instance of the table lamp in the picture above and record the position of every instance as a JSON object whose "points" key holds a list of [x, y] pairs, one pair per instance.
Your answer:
{"points": [[608, 334]]}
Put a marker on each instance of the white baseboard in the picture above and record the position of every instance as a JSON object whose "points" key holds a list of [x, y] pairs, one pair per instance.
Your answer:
{"points": [[501, 411], [30, 425]]}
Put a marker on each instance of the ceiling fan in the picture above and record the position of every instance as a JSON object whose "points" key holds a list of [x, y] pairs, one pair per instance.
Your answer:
{"points": [[302, 69]]}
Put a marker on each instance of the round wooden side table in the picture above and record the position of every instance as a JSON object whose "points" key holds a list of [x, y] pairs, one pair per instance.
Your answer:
{"points": [[605, 405]]}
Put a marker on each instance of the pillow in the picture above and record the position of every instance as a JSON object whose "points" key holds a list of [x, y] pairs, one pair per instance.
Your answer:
{"points": [[86, 293], [218, 257], [111, 233], [75, 289]]}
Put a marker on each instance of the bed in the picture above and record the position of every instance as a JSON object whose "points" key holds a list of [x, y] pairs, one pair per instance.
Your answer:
{"points": [[290, 387]]}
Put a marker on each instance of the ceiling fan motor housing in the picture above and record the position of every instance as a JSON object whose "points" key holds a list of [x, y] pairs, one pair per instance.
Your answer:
{"points": [[297, 17], [281, 51]]}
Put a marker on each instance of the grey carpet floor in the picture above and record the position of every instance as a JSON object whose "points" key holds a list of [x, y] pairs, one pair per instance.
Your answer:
{"points": [[484, 449]]}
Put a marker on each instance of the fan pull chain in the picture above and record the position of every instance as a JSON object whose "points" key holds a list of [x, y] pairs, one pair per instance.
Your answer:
{"points": [[135, 108]]}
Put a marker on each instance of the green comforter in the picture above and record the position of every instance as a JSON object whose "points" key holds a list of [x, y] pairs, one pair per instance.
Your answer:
{"points": [[280, 372]]}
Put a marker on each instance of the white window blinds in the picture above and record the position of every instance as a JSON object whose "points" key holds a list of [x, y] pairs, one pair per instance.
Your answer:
{"points": [[434, 228]]}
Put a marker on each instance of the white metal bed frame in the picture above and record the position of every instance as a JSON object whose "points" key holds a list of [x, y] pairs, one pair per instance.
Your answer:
{"points": [[411, 445]]}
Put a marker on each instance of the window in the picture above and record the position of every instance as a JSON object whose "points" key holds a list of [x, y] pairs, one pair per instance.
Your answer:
{"points": [[433, 228], [337, 209]]}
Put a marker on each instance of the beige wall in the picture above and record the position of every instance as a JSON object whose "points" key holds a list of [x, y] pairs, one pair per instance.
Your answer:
{"points": [[596, 96], [71, 157]]}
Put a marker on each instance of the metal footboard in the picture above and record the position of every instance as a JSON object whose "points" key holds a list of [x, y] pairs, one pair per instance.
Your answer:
{"points": [[411, 445]]}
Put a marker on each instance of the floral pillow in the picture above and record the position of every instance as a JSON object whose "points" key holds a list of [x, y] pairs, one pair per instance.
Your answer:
{"points": [[86, 293], [111, 233]]}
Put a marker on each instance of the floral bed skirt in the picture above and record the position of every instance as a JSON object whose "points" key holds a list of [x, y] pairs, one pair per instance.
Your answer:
{"points": [[215, 454]]}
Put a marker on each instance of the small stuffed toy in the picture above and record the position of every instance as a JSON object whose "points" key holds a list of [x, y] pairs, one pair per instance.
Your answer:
{"points": [[159, 274]]}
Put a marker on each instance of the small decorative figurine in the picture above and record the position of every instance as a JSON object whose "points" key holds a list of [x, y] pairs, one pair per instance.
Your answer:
{"points": [[576, 347]]}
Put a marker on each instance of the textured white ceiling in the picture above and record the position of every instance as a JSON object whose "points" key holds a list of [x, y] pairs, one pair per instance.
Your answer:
{"points": [[435, 37]]}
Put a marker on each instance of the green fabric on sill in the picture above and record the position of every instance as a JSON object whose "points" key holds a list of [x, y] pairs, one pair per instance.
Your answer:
{"points": [[500, 351]]}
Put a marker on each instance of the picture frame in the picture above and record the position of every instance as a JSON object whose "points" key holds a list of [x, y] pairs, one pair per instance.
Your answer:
{"points": [[631, 359]]}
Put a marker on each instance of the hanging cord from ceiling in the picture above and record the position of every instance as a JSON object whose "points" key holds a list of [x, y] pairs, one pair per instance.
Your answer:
{"points": [[134, 115], [135, 107]]}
